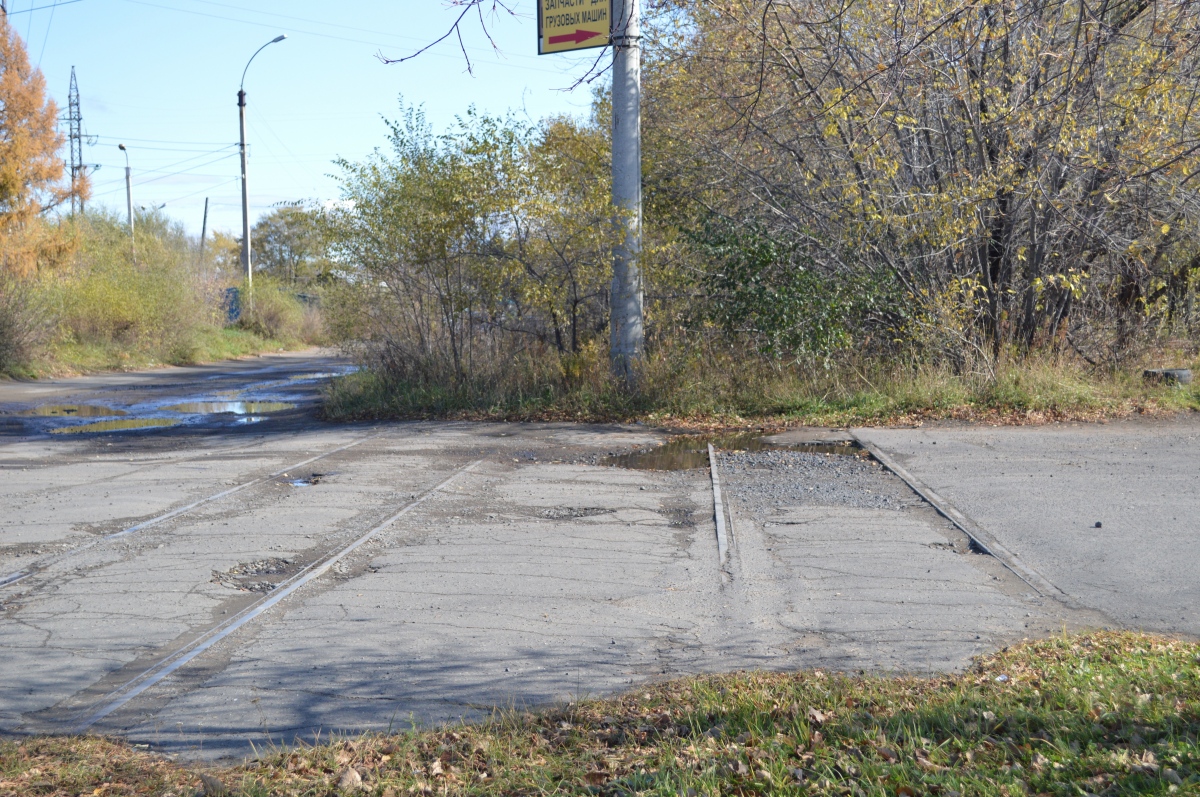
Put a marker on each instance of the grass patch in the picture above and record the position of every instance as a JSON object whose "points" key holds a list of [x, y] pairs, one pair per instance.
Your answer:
{"points": [[204, 345], [1104, 713], [718, 389]]}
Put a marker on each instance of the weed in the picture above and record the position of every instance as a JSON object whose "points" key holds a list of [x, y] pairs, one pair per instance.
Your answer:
{"points": [[719, 384]]}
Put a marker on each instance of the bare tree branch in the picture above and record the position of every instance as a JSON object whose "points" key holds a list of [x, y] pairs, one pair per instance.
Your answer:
{"points": [[455, 30]]}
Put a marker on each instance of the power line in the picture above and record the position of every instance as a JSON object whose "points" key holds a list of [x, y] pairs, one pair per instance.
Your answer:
{"points": [[328, 24], [39, 8], [165, 141], [46, 38], [318, 35], [162, 169], [169, 149], [205, 188], [181, 171]]}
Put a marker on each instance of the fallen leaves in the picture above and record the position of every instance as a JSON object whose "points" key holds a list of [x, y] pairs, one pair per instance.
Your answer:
{"points": [[762, 729], [350, 781]]}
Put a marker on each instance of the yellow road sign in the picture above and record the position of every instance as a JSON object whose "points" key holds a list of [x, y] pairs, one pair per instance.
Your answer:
{"points": [[565, 25]]}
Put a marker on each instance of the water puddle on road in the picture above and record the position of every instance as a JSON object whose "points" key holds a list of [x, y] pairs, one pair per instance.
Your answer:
{"points": [[72, 411], [118, 425], [686, 453], [230, 407]]}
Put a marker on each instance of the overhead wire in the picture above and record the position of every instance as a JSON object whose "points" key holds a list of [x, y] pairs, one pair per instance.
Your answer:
{"points": [[123, 139], [187, 160], [46, 38], [176, 174], [327, 24], [254, 125], [203, 190], [42, 8], [317, 34]]}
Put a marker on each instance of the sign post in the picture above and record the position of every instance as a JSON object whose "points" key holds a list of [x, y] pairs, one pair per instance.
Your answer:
{"points": [[566, 25]]}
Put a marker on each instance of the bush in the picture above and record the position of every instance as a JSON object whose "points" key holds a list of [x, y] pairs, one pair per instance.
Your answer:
{"points": [[274, 312], [24, 327], [151, 301]]}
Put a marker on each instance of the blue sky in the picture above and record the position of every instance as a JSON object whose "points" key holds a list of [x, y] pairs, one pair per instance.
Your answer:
{"points": [[161, 76]]}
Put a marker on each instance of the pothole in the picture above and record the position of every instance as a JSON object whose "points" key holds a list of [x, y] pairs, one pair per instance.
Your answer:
{"points": [[120, 425], [263, 575], [73, 411], [688, 452], [308, 481], [230, 407], [569, 512]]}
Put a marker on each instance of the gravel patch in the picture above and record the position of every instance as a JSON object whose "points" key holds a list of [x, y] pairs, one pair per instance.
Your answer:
{"points": [[763, 481]]}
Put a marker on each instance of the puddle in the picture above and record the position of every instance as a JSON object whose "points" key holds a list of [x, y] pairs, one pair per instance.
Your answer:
{"points": [[73, 411], [316, 478], [685, 453], [310, 377], [116, 426], [230, 407]]}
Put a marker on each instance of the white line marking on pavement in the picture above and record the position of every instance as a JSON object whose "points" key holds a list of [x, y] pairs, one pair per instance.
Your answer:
{"points": [[148, 678], [36, 567]]}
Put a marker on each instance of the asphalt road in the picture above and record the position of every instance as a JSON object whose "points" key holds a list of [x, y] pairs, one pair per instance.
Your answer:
{"points": [[255, 575]]}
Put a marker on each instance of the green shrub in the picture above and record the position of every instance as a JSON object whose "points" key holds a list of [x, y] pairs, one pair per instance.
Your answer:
{"points": [[273, 311], [24, 326], [147, 296]]}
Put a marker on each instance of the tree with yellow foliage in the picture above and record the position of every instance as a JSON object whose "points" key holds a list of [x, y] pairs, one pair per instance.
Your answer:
{"points": [[31, 171], [1024, 171]]}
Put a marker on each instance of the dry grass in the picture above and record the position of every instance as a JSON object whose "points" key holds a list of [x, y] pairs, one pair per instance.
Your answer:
{"points": [[1105, 713], [709, 387]]}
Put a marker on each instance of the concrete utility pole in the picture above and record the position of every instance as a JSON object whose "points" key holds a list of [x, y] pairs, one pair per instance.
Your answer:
{"points": [[625, 324], [203, 232], [245, 190]]}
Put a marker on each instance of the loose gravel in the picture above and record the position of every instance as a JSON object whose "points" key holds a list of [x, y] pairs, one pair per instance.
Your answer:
{"points": [[764, 481]]}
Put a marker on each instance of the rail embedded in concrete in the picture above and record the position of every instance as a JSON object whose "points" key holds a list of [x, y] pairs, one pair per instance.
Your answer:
{"points": [[38, 567], [980, 538], [164, 667], [718, 508]]}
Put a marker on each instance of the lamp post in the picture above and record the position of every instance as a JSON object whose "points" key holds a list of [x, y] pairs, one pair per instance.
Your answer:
{"points": [[128, 188], [245, 190]]}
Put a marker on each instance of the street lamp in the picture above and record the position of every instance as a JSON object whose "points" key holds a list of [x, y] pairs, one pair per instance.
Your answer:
{"points": [[128, 188], [245, 190]]}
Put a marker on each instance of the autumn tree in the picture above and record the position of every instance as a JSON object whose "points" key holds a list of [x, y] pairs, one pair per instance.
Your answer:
{"points": [[1022, 172], [289, 245], [31, 171], [458, 252]]}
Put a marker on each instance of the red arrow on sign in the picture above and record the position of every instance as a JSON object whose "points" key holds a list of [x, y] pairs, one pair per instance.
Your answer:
{"points": [[576, 37]]}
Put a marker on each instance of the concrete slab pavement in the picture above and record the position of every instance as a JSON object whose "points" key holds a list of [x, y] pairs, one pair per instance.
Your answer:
{"points": [[535, 577], [1041, 491]]}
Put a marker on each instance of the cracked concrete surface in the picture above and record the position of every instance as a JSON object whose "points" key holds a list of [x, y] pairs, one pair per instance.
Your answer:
{"points": [[526, 581]]}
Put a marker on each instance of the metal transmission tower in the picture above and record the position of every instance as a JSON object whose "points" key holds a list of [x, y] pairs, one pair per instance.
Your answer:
{"points": [[75, 120]]}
